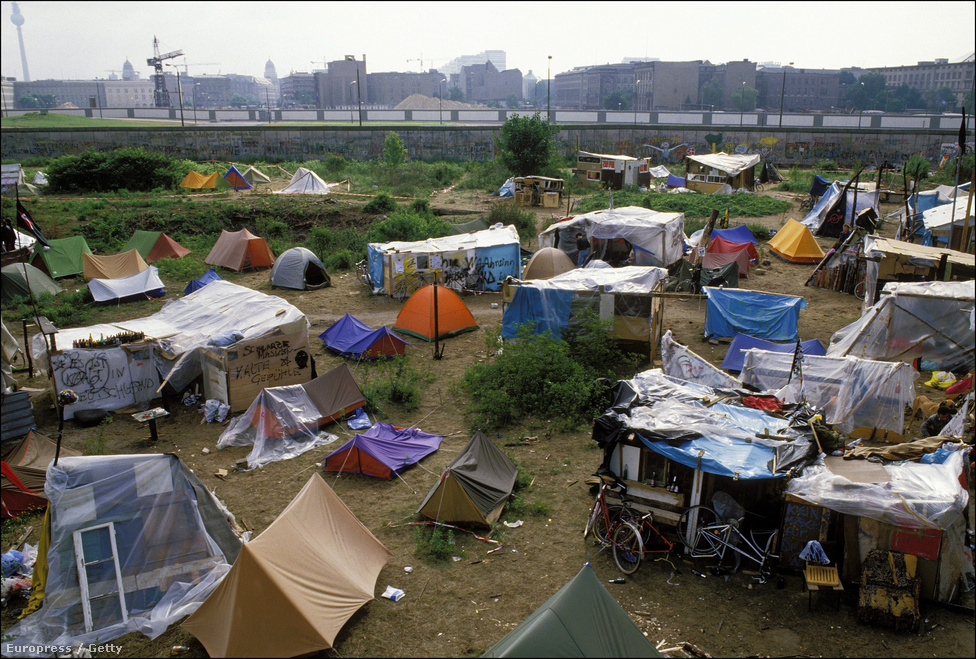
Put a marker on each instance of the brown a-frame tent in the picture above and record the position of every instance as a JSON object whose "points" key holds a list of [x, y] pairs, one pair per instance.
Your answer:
{"points": [[24, 473], [474, 488], [238, 250], [292, 588]]}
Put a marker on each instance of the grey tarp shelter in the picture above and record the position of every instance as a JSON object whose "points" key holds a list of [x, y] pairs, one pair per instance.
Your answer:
{"points": [[581, 620], [474, 488]]}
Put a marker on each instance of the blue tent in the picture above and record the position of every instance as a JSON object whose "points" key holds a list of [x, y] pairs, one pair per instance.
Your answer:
{"points": [[763, 315], [350, 337], [740, 234], [675, 181], [742, 342], [820, 186], [236, 179], [196, 284]]}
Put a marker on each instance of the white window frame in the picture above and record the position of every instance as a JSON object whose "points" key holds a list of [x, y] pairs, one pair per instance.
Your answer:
{"points": [[83, 573]]}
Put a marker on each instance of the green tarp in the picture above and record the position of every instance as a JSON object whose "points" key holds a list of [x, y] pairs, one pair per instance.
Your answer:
{"points": [[63, 259], [728, 273], [581, 620], [17, 277]]}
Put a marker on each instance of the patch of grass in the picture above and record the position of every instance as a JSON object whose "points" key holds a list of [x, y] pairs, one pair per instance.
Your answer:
{"points": [[509, 213], [694, 206], [435, 543], [69, 309], [94, 443], [393, 381]]}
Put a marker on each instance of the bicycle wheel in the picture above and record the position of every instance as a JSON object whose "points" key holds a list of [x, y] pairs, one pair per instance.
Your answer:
{"points": [[685, 289], [699, 545], [628, 548], [860, 289]]}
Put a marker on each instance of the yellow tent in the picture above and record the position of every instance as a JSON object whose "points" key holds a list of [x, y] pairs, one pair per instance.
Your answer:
{"points": [[196, 180], [795, 244]]}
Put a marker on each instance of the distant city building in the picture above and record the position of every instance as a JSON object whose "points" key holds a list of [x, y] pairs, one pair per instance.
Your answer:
{"points": [[729, 77], [130, 93], [388, 89], [336, 86], [927, 77], [128, 71], [529, 82], [216, 91], [484, 82], [298, 90], [810, 90], [271, 75], [665, 85], [496, 57], [65, 92], [586, 87]]}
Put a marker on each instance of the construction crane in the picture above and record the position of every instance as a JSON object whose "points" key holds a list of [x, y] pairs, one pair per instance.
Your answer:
{"points": [[430, 60], [160, 97]]}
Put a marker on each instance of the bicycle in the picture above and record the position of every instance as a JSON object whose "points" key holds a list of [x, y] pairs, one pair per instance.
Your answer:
{"points": [[808, 203], [758, 186], [715, 534], [629, 535], [362, 271]]}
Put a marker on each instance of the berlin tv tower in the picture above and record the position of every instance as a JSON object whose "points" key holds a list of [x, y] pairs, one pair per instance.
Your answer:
{"points": [[18, 19]]}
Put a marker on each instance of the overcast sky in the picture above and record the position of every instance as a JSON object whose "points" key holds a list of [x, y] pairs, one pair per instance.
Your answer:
{"points": [[85, 40]]}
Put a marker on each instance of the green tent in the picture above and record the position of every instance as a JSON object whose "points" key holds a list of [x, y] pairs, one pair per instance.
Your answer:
{"points": [[23, 280], [581, 620], [154, 245], [63, 259]]}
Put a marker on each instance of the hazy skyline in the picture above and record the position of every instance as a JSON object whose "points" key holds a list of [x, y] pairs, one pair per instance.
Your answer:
{"points": [[86, 40]]}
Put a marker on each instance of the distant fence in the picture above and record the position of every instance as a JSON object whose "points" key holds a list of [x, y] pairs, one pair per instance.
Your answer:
{"points": [[803, 139]]}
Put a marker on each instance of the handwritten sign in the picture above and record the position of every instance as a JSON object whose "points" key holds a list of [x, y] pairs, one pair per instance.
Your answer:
{"points": [[269, 361], [105, 378]]}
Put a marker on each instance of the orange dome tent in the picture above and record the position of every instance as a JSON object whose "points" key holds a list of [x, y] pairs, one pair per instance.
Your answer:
{"points": [[237, 250], [418, 317]]}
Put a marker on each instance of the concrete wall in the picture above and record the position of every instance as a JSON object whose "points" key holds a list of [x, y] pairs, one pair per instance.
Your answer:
{"points": [[843, 143]]}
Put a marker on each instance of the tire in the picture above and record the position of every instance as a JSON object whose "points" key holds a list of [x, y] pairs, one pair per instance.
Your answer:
{"points": [[706, 516], [628, 548], [600, 527], [860, 289]]}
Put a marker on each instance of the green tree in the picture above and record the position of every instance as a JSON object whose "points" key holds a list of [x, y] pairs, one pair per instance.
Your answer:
{"points": [[619, 100], [743, 99], [455, 93], [525, 144], [394, 153], [512, 101], [943, 100], [867, 93], [712, 94], [237, 100], [37, 101]]}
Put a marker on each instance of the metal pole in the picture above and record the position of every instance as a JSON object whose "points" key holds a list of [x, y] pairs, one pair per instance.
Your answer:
{"points": [[782, 96], [548, 85], [359, 95], [179, 91], [267, 95]]}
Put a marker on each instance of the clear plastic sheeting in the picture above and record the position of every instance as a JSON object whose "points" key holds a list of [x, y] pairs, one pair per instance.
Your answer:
{"points": [[683, 363], [917, 496], [852, 392], [927, 320], [281, 423], [136, 543]]}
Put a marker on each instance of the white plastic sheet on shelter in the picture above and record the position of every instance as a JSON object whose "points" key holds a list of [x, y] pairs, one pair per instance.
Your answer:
{"points": [[853, 393], [680, 362], [917, 496], [721, 172], [154, 542], [214, 318], [950, 218], [865, 200], [657, 238], [927, 320]]}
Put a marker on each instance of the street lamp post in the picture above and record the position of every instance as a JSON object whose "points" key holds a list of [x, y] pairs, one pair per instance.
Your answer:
{"points": [[861, 105], [548, 84], [636, 83], [359, 95], [742, 101], [440, 100], [179, 92], [782, 96], [196, 87]]}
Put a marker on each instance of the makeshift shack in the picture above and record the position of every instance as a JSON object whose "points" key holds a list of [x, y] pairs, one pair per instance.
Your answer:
{"points": [[923, 320], [293, 587], [902, 505], [63, 258], [944, 226], [888, 260], [350, 337], [298, 268], [656, 239], [240, 250], [720, 172], [764, 315], [25, 472], [151, 540], [630, 297], [155, 245], [284, 422], [834, 209], [538, 191], [142, 285], [383, 451], [477, 261], [474, 488], [581, 619], [735, 355], [238, 340], [612, 171]]}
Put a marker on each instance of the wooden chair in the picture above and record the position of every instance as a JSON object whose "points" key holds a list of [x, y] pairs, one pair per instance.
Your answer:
{"points": [[822, 578]]}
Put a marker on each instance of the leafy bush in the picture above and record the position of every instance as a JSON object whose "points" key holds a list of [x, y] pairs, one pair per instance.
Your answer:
{"points": [[435, 542], [526, 144], [334, 165], [380, 204], [826, 166], [487, 176], [917, 167], [394, 381], [341, 260], [327, 244], [524, 221], [947, 175], [408, 226], [122, 169], [796, 181]]}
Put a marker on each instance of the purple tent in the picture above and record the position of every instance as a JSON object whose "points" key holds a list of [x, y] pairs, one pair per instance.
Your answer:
{"points": [[742, 342], [351, 337], [739, 234], [383, 451]]}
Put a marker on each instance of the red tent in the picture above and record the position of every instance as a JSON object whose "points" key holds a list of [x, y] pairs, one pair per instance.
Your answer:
{"points": [[718, 259], [723, 246]]}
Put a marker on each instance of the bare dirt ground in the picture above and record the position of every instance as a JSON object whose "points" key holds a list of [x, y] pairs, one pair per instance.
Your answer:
{"points": [[461, 607]]}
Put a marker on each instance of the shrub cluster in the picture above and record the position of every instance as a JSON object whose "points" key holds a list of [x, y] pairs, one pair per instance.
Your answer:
{"points": [[121, 169], [524, 221]]}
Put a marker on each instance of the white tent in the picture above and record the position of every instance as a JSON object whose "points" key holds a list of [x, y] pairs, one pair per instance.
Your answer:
{"points": [[13, 181], [941, 221], [142, 284], [816, 216], [657, 238], [305, 181]]}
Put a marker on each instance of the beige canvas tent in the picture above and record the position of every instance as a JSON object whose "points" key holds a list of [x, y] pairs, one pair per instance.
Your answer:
{"points": [[195, 181], [293, 588], [238, 250], [547, 262], [114, 266], [255, 176]]}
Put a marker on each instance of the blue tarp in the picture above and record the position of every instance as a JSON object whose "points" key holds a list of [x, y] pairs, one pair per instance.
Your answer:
{"points": [[507, 189], [549, 308], [738, 459], [675, 181], [196, 284], [820, 186], [742, 342], [740, 234], [351, 337], [762, 315]]}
